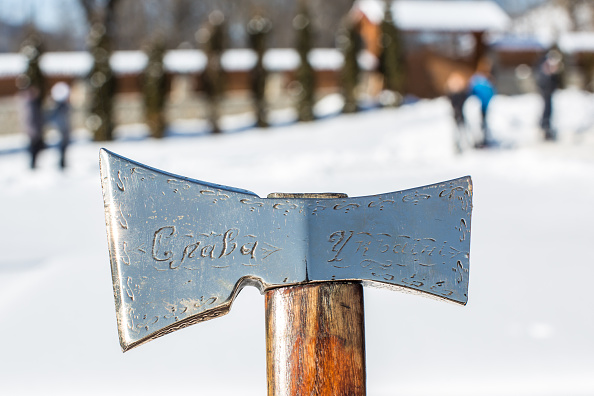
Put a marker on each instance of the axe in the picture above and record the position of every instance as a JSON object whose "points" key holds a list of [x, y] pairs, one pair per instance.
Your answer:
{"points": [[181, 250]]}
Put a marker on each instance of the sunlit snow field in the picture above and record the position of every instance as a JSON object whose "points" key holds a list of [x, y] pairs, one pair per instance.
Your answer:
{"points": [[528, 328]]}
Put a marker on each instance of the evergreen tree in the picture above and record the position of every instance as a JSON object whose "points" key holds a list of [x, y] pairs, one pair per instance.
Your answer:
{"points": [[155, 88], [213, 77], [33, 84], [258, 29], [305, 73], [349, 42], [101, 17], [392, 59], [32, 48], [102, 85]]}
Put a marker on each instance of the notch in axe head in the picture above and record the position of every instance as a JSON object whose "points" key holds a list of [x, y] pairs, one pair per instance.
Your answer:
{"points": [[182, 249]]}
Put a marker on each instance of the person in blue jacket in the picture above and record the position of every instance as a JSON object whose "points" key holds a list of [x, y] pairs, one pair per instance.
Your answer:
{"points": [[481, 87]]}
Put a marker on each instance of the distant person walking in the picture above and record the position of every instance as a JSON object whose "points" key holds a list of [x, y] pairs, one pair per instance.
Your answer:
{"points": [[483, 89], [33, 120], [60, 117], [548, 79], [457, 92]]}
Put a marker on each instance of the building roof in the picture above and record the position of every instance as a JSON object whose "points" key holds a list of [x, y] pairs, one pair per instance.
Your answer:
{"points": [[545, 22], [450, 16], [575, 42], [568, 42], [516, 42]]}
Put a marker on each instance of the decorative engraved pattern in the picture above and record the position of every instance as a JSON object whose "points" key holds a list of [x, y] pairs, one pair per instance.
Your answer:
{"points": [[318, 207], [415, 197], [347, 206], [423, 251], [122, 218], [180, 249], [141, 174], [384, 256], [120, 182], [184, 308], [129, 290], [287, 206], [178, 185], [217, 195], [253, 205], [125, 255], [459, 193], [381, 203]]}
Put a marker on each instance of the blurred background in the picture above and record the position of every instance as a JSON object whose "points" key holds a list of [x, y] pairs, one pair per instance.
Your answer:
{"points": [[353, 96]]}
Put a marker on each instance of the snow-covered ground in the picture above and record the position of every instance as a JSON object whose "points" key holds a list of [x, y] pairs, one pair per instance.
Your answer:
{"points": [[528, 328]]}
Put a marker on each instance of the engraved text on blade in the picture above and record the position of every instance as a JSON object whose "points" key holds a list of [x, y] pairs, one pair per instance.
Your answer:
{"points": [[172, 251]]}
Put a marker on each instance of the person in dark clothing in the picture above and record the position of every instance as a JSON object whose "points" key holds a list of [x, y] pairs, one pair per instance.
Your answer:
{"points": [[548, 79], [33, 120], [457, 92], [60, 117]]}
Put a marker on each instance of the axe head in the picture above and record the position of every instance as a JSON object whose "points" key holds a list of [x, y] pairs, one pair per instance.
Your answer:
{"points": [[181, 249]]}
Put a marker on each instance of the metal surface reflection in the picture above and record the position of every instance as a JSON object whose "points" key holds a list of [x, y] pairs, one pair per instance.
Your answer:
{"points": [[181, 249]]}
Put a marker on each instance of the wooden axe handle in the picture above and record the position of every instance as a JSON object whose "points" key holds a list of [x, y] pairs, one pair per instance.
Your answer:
{"points": [[315, 340]]}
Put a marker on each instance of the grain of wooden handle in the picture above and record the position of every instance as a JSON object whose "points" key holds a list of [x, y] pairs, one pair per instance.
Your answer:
{"points": [[315, 340]]}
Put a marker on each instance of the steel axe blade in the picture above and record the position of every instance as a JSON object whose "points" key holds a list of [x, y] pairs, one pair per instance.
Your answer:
{"points": [[181, 249]]}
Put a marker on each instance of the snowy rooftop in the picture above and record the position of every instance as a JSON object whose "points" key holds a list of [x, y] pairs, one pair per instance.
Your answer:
{"points": [[12, 64], [128, 62], [439, 15], [569, 42], [572, 42], [519, 43], [184, 61], [79, 64]]}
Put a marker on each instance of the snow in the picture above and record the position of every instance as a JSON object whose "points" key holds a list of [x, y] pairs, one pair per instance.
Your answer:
{"points": [[574, 42], [184, 61], [519, 43], [128, 62], [326, 59], [458, 16], [545, 22], [12, 64], [367, 61], [527, 329], [281, 59], [79, 64], [76, 64], [239, 60], [287, 59]]}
